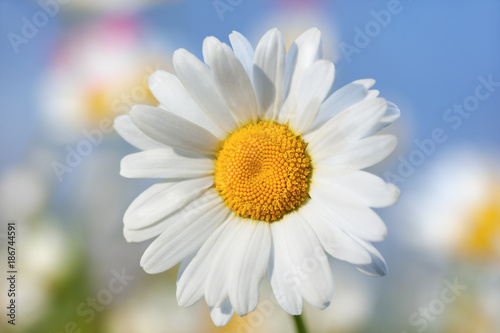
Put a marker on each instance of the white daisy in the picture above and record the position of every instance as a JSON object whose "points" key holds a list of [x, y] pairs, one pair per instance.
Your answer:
{"points": [[262, 172], [97, 72], [460, 196]]}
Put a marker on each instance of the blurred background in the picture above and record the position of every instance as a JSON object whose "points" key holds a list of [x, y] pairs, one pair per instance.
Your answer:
{"points": [[69, 67]]}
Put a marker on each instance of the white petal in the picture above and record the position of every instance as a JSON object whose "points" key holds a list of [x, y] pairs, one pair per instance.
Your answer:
{"points": [[164, 163], [172, 95], [239, 275], [133, 135], [191, 283], [148, 232], [184, 264], [371, 190], [311, 92], [221, 316], [219, 277], [391, 115], [199, 83], [243, 50], [306, 49], [163, 199], [358, 154], [209, 44], [173, 130], [348, 213], [343, 98], [343, 246], [377, 267], [298, 266], [136, 236], [269, 73], [335, 242], [252, 257], [352, 124], [233, 84], [280, 272], [183, 237], [206, 199]]}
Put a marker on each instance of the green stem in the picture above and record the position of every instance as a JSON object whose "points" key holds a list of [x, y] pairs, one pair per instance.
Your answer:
{"points": [[299, 323]]}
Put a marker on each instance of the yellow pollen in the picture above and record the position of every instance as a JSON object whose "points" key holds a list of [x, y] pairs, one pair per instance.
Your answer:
{"points": [[262, 171]]}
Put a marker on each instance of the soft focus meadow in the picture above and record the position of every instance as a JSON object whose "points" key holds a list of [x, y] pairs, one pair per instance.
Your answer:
{"points": [[69, 67]]}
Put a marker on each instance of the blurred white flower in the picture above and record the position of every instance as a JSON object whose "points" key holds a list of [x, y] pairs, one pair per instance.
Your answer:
{"points": [[22, 193], [46, 251], [44, 260], [98, 72], [456, 208]]}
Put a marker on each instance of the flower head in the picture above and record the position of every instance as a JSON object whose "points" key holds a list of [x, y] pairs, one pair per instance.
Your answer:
{"points": [[98, 71], [460, 193], [262, 169]]}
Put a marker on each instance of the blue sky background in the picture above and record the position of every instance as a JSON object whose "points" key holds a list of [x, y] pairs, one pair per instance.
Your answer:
{"points": [[427, 59]]}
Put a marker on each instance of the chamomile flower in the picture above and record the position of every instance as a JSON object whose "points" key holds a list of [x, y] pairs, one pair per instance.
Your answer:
{"points": [[262, 171], [98, 71], [461, 196]]}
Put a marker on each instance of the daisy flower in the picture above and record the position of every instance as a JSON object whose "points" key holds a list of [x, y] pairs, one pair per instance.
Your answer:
{"points": [[461, 196], [262, 172], [98, 71]]}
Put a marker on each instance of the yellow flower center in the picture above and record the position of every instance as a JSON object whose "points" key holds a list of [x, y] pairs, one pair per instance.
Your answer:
{"points": [[262, 171]]}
